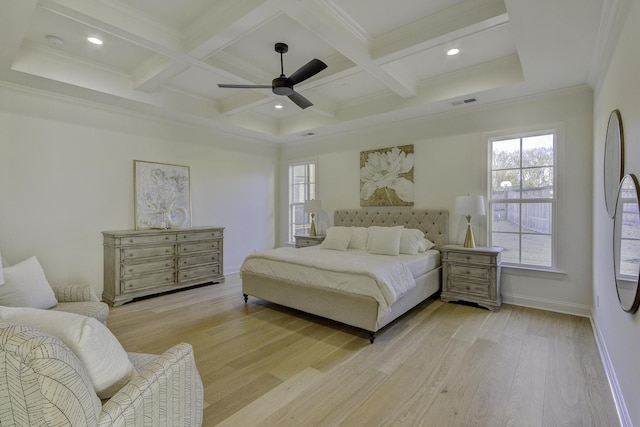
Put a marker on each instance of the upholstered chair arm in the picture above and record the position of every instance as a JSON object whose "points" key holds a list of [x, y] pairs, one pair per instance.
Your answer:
{"points": [[166, 392], [74, 293]]}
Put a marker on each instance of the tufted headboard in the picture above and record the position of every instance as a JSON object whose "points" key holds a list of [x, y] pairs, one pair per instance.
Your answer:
{"points": [[434, 223]]}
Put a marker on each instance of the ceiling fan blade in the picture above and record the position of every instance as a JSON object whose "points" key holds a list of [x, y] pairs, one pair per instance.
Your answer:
{"points": [[310, 69], [300, 100], [246, 86]]}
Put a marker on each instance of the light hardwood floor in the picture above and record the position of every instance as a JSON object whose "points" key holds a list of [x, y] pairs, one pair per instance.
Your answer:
{"points": [[440, 365]]}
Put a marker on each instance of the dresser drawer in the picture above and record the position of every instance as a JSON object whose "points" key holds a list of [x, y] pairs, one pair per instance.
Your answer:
{"points": [[149, 281], [189, 274], [469, 258], [469, 271], [470, 288], [130, 269], [144, 240], [146, 252], [185, 248], [189, 260], [205, 235]]}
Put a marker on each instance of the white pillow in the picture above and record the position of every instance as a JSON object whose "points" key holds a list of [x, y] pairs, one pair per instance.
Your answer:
{"points": [[359, 238], [25, 285], [384, 240], [424, 245], [338, 238], [107, 363], [410, 241]]}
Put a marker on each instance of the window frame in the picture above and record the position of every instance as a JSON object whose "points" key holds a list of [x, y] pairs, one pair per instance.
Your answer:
{"points": [[554, 200], [310, 191]]}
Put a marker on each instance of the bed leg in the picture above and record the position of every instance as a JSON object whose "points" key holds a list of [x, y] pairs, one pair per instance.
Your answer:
{"points": [[246, 298], [372, 336]]}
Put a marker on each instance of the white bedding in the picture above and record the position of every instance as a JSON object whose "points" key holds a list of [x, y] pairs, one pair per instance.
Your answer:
{"points": [[383, 277]]}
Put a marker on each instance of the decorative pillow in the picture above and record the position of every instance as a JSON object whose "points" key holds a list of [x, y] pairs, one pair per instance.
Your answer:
{"points": [[25, 285], [425, 245], [338, 238], [359, 238], [384, 240], [92, 342], [410, 241]]}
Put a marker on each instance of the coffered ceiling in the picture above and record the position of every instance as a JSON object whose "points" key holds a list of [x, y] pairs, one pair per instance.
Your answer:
{"points": [[387, 60]]}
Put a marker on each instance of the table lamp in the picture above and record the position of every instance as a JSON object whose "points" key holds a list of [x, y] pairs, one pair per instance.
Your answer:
{"points": [[469, 206]]}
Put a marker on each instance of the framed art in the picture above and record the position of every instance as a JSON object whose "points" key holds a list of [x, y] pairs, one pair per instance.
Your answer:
{"points": [[162, 195], [386, 176]]}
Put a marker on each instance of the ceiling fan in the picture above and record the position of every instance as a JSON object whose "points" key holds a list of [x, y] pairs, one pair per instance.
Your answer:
{"points": [[284, 85]]}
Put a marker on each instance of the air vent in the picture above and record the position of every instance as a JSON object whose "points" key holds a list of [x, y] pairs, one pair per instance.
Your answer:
{"points": [[464, 101]]}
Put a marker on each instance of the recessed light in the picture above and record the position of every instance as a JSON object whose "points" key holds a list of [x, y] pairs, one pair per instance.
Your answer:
{"points": [[278, 106], [453, 51], [94, 40], [55, 41]]}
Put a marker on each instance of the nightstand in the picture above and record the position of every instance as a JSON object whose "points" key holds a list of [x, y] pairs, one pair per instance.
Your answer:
{"points": [[471, 274], [304, 241]]}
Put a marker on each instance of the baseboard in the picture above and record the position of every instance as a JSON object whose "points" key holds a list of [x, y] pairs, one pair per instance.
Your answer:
{"points": [[546, 304], [618, 398]]}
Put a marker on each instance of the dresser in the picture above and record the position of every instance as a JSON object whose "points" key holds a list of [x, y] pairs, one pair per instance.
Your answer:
{"points": [[145, 262], [304, 241], [471, 274]]}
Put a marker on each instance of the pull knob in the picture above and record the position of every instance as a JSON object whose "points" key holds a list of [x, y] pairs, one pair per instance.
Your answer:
{"points": [[468, 287]]}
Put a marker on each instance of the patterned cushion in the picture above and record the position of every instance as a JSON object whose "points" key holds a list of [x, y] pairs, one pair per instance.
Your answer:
{"points": [[55, 387]]}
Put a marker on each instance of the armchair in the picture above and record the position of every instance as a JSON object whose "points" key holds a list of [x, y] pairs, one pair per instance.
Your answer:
{"points": [[80, 299], [42, 382]]}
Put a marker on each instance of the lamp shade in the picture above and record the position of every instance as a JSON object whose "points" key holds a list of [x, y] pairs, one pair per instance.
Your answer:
{"points": [[469, 205], [312, 206]]}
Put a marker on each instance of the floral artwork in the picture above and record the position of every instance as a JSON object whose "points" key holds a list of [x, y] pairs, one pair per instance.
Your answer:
{"points": [[386, 176], [162, 195]]}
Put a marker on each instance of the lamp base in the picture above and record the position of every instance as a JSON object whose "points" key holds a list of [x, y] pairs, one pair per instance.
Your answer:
{"points": [[312, 230], [469, 242]]}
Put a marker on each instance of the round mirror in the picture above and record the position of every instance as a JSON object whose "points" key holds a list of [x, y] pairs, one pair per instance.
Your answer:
{"points": [[613, 160], [626, 243]]}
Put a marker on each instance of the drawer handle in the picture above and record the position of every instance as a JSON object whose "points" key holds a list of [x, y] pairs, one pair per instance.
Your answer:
{"points": [[130, 240], [166, 251], [166, 279], [468, 287], [166, 238], [468, 272], [167, 265], [131, 270], [468, 257]]}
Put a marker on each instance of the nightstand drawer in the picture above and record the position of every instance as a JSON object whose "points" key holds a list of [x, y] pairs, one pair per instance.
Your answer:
{"points": [[470, 258], [468, 271], [479, 289]]}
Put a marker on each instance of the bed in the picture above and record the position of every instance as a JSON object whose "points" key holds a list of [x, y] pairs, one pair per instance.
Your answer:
{"points": [[368, 312]]}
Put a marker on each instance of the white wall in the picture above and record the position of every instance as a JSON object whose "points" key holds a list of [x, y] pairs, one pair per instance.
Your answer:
{"points": [[451, 160], [66, 174], [618, 331]]}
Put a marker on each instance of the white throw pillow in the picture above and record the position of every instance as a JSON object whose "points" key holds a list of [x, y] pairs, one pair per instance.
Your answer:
{"points": [[410, 241], [338, 238], [384, 240], [107, 363], [25, 285], [359, 238], [424, 245]]}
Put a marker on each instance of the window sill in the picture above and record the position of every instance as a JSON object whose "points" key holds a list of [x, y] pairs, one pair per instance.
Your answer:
{"points": [[532, 272]]}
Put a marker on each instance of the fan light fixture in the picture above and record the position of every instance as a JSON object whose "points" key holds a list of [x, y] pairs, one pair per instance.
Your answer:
{"points": [[94, 40], [283, 85]]}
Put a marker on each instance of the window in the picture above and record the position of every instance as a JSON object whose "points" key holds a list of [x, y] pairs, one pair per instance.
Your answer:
{"points": [[302, 186], [522, 200]]}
